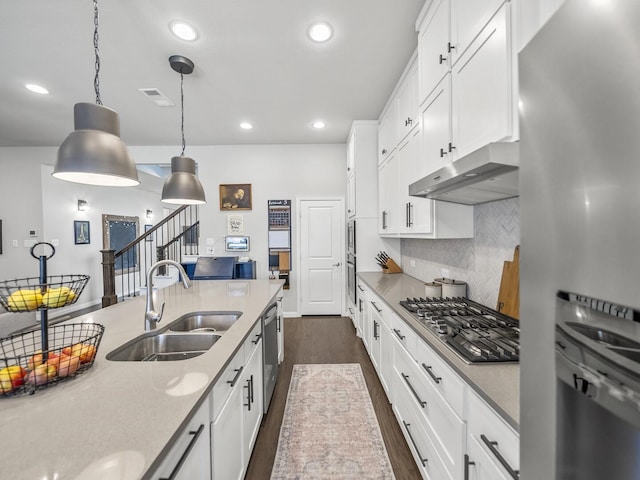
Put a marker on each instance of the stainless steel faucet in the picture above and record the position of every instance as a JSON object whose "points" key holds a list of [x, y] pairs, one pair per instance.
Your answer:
{"points": [[151, 317]]}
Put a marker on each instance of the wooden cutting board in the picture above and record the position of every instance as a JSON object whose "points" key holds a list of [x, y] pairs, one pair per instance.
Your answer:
{"points": [[509, 294]]}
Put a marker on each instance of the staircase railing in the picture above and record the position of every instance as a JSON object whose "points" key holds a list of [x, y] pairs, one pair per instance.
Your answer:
{"points": [[124, 271]]}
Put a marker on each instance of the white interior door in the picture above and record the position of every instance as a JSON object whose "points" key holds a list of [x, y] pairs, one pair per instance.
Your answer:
{"points": [[321, 252]]}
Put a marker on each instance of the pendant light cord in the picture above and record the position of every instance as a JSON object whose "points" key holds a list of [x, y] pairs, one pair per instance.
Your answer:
{"points": [[182, 109], [96, 79]]}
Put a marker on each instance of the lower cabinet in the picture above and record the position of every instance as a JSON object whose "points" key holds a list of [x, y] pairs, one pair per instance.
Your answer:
{"points": [[189, 458], [452, 433], [237, 410]]}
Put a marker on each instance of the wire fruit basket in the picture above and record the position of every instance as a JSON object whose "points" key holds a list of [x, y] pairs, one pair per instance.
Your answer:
{"points": [[27, 294], [26, 366], [39, 358]]}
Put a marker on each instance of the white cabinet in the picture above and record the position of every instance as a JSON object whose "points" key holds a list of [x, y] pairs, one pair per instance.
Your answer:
{"points": [[237, 410], [473, 101], [435, 141], [362, 169], [388, 206], [352, 312], [483, 99], [227, 434], [416, 213], [361, 309], [189, 457], [388, 131], [434, 45], [280, 329], [407, 99], [493, 446], [252, 401]]}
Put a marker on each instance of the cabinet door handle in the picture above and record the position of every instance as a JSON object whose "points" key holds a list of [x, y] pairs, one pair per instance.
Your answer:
{"points": [[450, 47], [185, 454], [400, 336], [278, 323], [257, 339], [360, 288], [351, 311], [384, 220], [375, 330], [235, 379], [451, 147], [410, 215], [248, 387], [467, 462], [423, 461], [384, 151], [431, 374], [413, 390], [406, 214], [376, 307], [515, 474], [443, 153], [360, 305], [442, 59]]}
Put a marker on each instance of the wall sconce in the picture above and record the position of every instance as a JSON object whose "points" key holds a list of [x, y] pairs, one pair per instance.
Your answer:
{"points": [[83, 206], [149, 214]]}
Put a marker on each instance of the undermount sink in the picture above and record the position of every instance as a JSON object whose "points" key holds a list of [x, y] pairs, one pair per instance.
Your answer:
{"points": [[217, 322], [162, 347]]}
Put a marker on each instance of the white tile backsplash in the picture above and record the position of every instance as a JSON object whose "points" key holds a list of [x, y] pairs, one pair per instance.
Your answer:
{"points": [[477, 261]]}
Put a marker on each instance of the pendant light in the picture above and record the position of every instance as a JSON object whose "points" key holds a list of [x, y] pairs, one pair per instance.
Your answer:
{"points": [[182, 187], [94, 154]]}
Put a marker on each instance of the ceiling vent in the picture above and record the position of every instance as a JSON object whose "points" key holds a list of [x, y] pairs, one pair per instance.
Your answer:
{"points": [[157, 97]]}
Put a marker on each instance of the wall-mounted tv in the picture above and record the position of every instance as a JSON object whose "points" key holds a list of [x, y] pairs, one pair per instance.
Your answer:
{"points": [[236, 244]]}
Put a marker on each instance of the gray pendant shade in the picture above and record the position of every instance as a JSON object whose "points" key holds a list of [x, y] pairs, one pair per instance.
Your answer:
{"points": [[183, 187], [94, 154]]}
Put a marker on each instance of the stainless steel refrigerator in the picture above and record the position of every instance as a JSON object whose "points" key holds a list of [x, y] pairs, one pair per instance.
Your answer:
{"points": [[580, 245]]}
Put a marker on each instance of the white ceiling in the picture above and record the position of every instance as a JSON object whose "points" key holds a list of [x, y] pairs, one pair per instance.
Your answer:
{"points": [[253, 62]]}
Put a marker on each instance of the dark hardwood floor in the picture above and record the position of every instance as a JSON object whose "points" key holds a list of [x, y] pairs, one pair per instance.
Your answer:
{"points": [[327, 340]]}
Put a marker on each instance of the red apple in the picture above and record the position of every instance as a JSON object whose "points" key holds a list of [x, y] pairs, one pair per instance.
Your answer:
{"points": [[41, 374], [35, 360], [15, 372]]}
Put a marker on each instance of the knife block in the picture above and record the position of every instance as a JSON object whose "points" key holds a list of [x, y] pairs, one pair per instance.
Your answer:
{"points": [[392, 267]]}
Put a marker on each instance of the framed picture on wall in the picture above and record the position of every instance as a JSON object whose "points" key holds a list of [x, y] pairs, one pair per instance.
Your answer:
{"points": [[235, 196], [81, 233], [146, 229]]}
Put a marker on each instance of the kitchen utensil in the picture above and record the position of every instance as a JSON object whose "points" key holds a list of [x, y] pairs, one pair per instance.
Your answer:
{"points": [[433, 290], [452, 288], [509, 294]]}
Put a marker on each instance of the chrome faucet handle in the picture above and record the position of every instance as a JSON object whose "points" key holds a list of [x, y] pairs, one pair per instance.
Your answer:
{"points": [[161, 313]]}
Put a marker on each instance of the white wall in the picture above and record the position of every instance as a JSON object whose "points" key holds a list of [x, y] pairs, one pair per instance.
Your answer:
{"points": [[31, 198]]}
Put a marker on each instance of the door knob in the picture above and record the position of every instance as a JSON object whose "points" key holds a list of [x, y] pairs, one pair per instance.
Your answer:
{"points": [[336, 264]]}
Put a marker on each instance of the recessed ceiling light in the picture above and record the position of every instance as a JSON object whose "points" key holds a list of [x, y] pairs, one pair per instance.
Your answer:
{"points": [[320, 32], [183, 31], [319, 124], [32, 87], [246, 126]]}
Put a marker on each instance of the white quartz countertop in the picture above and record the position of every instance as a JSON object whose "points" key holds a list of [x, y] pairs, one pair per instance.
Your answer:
{"points": [[118, 419], [497, 383]]}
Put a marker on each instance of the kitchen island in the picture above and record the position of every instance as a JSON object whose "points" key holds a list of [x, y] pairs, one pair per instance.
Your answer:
{"points": [[120, 419], [497, 383]]}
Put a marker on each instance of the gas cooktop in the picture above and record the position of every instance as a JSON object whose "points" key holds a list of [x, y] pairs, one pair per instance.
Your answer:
{"points": [[474, 332]]}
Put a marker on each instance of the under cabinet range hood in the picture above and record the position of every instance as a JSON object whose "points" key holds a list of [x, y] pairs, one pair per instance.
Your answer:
{"points": [[487, 174]]}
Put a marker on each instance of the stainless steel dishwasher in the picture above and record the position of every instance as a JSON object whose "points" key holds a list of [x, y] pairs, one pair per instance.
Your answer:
{"points": [[270, 352]]}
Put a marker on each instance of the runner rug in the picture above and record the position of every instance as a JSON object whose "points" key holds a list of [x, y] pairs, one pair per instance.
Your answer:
{"points": [[329, 429]]}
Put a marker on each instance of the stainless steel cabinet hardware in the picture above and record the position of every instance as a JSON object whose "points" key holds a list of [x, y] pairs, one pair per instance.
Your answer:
{"points": [[431, 374], [237, 376], [423, 461], [410, 215], [185, 454], [376, 307], [515, 474], [248, 387], [384, 220], [400, 336], [375, 330], [467, 462], [413, 390]]}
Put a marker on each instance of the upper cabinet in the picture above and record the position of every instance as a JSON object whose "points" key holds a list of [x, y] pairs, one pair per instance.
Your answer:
{"points": [[467, 78], [388, 131], [362, 170], [407, 99]]}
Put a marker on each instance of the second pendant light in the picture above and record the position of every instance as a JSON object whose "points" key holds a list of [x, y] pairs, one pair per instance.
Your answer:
{"points": [[182, 187]]}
